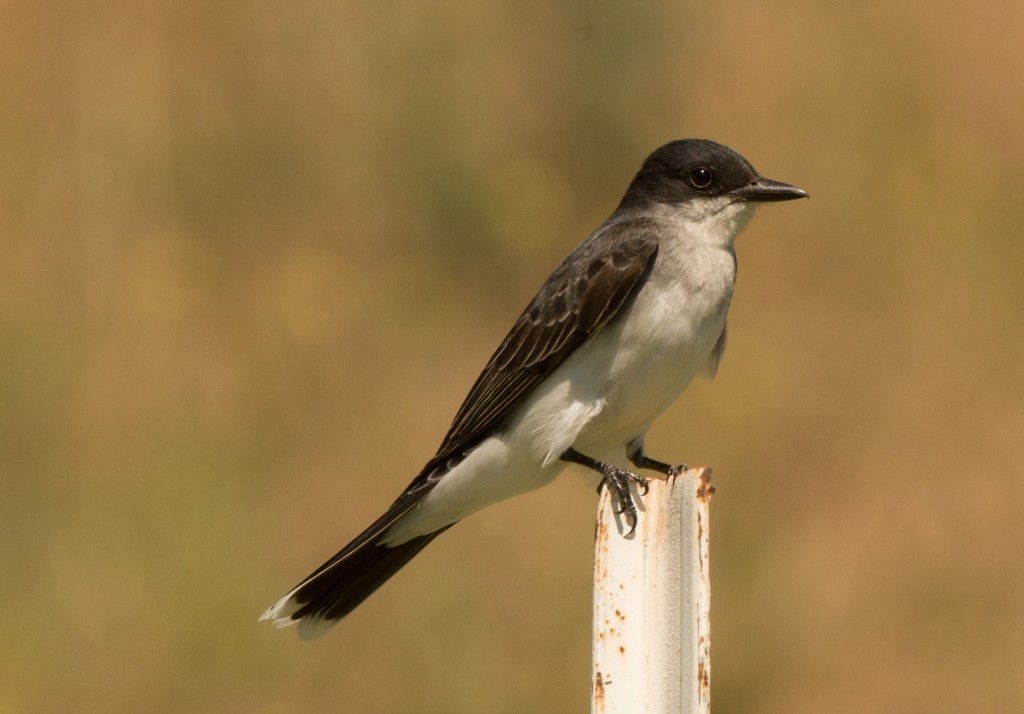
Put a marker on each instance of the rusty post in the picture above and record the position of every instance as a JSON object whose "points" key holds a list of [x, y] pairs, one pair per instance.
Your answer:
{"points": [[652, 601]]}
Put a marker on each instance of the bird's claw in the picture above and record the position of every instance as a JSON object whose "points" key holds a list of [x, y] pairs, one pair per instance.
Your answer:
{"points": [[618, 480]]}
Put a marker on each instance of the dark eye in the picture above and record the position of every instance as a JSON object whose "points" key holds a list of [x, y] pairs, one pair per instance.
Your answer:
{"points": [[701, 177]]}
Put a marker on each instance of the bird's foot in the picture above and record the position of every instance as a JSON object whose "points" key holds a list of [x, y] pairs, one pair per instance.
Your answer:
{"points": [[617, 481], [676, 470]]}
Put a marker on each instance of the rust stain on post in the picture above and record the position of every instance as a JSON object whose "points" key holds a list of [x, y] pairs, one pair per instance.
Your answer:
{"points": [[700, 536], [705, 490], [598, 699]]}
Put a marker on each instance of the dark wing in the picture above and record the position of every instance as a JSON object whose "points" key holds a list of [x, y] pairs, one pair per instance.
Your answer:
{"points": [[586, 290]]}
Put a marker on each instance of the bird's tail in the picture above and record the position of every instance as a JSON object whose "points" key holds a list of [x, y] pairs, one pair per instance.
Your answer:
{"points": [[335, 588]]}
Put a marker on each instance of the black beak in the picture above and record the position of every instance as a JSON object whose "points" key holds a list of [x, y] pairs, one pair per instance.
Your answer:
{"points": [[762, 189]]}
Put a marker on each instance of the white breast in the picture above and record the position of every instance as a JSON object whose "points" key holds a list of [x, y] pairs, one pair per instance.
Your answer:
{"points": [[611, 390]]}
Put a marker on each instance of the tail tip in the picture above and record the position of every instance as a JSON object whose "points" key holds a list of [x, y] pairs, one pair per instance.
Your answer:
{"points": [[281, 615]]}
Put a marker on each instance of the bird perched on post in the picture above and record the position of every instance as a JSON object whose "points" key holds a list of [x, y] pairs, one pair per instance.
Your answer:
{"points": [[614, 336]]}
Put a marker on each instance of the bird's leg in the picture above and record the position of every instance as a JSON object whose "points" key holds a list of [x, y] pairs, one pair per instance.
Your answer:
{"points": [[637, 457], [617, 480]]}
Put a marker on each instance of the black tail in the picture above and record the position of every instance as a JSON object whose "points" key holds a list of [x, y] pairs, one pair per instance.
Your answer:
{"points": [[335, 588]]}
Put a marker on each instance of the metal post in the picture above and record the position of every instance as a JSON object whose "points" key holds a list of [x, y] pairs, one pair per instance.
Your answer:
{"points": [[652, 601]]}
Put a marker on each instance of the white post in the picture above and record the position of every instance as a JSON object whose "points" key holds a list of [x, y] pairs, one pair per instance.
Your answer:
{"points": [[652, 601]]}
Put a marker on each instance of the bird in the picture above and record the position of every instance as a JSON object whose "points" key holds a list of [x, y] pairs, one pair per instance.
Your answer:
{"points": [[614, 336]]}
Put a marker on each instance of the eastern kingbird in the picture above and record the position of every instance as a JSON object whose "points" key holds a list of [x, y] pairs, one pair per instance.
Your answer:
{"points": [[611, 340]]}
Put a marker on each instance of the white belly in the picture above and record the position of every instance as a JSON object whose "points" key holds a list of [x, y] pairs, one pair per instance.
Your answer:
{"points": [[612, 390]]}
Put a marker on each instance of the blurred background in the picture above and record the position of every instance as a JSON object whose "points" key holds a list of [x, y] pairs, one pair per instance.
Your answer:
{"points": [[253, 255]]}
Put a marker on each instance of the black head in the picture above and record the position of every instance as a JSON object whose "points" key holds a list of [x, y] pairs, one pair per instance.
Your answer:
{"points": [[690, 169]]}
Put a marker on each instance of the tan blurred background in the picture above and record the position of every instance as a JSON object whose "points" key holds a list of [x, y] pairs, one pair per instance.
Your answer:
{"points": [[253, 254]]}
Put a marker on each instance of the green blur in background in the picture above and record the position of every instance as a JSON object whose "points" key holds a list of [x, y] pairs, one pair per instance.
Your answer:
{"points": [[253, 255]]}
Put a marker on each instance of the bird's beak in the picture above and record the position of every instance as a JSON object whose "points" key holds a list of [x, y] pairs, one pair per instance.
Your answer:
{"points": [[762, 189]]}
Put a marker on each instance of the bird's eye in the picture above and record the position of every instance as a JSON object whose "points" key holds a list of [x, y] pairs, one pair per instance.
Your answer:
{"points": [[701, 177]]}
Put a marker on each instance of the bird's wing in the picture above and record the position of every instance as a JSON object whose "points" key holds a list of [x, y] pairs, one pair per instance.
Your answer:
{"points": [[586, 291]]}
